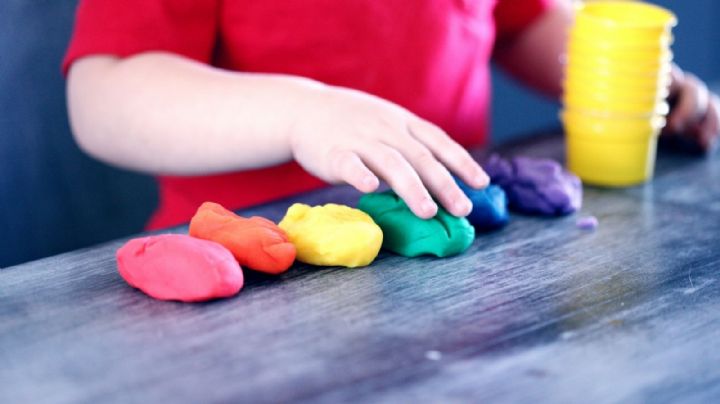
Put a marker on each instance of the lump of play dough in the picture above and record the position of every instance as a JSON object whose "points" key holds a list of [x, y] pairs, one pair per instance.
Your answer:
{"points": [[587, 223], [489, 206], [179, 267], [408, 235], [332, 235], [536, 186], [256, 243]]}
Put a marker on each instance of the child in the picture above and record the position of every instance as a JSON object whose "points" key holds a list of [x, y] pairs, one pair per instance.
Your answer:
{"points": [[244, 101]]}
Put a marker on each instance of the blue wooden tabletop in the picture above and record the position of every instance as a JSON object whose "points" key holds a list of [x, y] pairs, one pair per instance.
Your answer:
{"points": [[540, 311]]}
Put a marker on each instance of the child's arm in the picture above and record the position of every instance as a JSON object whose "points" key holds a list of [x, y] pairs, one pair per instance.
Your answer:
{"points": [[535, 57], [162, 113]]}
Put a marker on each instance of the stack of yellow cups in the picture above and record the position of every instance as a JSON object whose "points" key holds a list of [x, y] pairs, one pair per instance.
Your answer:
{"points": [[616, 82]]}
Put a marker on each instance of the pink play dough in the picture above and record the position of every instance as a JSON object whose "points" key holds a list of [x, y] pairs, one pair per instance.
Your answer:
{"points": [[179, 267]]}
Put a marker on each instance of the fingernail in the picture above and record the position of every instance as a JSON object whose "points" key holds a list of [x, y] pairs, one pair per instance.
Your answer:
{"points": [[368, 181], [463, 206], [428, 207], [482, 180]]}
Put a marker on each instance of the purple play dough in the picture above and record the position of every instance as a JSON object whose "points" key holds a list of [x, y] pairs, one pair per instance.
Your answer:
{"points": [[587, 223], [536, 186]]}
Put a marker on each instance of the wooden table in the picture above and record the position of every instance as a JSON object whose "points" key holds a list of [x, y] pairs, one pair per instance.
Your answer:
{"points": [[539, 311]]}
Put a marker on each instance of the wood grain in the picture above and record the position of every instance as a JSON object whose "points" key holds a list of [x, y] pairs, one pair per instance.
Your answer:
{"points": [[539, 311]]}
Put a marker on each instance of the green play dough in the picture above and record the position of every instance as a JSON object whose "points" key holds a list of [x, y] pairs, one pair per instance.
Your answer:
{"points": [[408, 235]]}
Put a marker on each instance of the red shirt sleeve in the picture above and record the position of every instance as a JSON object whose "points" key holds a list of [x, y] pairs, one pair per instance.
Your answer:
{"points": [[512, 16], [127, 27]]}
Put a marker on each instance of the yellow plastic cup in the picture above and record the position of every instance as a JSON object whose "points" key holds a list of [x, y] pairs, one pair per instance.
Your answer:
{"points": [[636, 60], [615, 85], [612, 127], [638, 19], [620, 38], [609, 150], [624, 69], [634, 55], [603, 59], [611, 164], [650, 100], [577, 77], [627, 92], [615, 106], [622, 94], [624, 14]]}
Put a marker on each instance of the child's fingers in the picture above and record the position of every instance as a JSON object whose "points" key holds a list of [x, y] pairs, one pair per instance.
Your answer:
{"points": [[710, 127], [692, 103], [348, 166], [449, 153], [435, 176], [392, 166]]}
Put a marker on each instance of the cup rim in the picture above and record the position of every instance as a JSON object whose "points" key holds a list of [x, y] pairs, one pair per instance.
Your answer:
{"points": [[610, 69], [641, 134], [607, 58], [599, 115], [615, 105], [603, 45], [614, 140], [607, 96], [665, 37], [598, 73], [593, 13], [616, 108], [638, 84], [605, 92]]}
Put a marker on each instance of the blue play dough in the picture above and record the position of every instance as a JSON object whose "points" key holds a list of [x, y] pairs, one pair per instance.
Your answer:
{"points": [[489, 206]]}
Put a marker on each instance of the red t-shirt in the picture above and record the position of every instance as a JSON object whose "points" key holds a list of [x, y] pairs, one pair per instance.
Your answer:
{"points": [[430, 56]]}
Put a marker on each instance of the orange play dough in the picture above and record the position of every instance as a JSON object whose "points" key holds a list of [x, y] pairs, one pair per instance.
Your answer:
{"points": [[257, 243]]}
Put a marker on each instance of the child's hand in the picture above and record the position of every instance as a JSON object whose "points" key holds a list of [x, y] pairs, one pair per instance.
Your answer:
{"points": [[696, 111], [349, 136]]}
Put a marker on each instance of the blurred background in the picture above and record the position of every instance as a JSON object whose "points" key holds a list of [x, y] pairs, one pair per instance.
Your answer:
{"points": [[55, 199]]}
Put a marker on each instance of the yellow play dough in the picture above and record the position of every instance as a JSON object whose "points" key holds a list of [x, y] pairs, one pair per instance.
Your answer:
{"points": [[332, 235]]}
